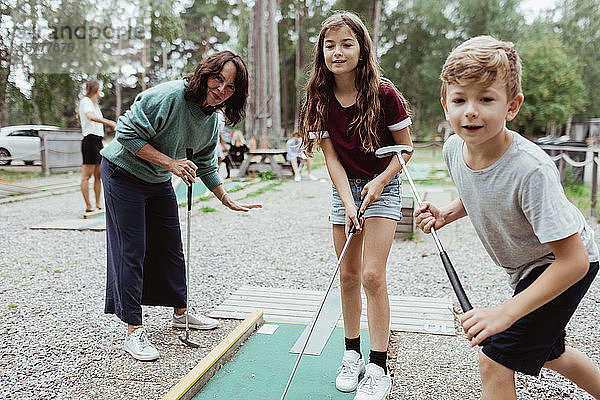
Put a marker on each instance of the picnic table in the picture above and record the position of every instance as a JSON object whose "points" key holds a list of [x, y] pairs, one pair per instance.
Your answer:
{"points": [[267, 161]]}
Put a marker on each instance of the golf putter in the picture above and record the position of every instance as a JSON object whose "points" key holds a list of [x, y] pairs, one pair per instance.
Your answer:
{"points": [[465, 304], [312, 324], [185, 338]]}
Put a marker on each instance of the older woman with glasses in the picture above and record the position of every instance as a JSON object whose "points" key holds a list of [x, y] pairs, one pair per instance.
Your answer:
{"points": [[145, 263]]}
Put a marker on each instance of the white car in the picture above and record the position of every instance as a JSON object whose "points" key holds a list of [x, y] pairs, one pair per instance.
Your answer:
{"points": [[22, 143]]}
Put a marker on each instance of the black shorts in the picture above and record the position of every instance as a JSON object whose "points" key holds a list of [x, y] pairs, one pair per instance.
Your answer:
{"points": [[539, 336], [90, 149]]}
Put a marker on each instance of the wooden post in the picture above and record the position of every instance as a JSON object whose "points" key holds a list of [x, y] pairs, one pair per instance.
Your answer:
{"points": [[594, 183], [44, 154]]}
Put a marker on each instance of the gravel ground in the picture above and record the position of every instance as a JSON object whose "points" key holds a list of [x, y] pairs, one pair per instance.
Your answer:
{"points": [[56, 343]]}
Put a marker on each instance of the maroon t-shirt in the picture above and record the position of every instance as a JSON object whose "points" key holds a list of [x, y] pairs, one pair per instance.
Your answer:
{"points": [[357, 162]]}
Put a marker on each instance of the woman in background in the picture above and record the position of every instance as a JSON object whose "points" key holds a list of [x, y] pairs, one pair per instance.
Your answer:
{"points": [[92, 128]]}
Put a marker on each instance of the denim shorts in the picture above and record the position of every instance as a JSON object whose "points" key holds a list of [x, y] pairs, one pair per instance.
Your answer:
{"points": [[539, 336], [388, 205]]}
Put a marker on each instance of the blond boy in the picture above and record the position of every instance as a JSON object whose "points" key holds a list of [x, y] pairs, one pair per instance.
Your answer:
{"points": [[511, 191]]}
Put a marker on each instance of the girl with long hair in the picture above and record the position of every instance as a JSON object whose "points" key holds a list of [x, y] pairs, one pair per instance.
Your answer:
{"points": [[350, 111]]}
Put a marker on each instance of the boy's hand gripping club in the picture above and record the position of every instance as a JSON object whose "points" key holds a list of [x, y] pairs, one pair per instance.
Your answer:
{"points": [[314, 320], [465, 304]]}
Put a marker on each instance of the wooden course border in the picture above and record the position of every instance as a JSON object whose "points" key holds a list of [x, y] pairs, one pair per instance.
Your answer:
{"points": [[191, 384]]}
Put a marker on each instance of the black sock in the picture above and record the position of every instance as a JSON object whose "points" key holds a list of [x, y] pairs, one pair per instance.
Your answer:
{"points": [[353, 344], [379, 358]]}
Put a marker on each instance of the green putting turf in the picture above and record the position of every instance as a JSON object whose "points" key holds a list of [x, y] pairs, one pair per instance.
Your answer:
{"points": [[261, 368]]}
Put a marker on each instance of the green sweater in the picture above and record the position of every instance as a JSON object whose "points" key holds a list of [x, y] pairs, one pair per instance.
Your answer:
{"points": [[161, 117]]}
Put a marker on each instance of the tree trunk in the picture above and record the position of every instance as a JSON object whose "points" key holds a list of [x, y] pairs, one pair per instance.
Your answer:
{"points": [[34, 89], [274, 73], [376, 24], [165, 64], [300, 58], [284, 94], [251, 106], [261, 76], [118, 91], [144, 63], [4, 74]]}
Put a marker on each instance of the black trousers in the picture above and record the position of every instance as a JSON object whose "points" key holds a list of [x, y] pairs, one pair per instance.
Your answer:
{"points": [[145, 263]]}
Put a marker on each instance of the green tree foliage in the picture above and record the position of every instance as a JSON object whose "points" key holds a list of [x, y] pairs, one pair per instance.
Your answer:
{"points": [[552, 83], [416, 38], [499, 18], [204, 29], [560, 51], [579, 28]]}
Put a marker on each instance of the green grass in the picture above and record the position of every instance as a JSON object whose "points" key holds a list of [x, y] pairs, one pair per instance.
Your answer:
{"points": [[581, 196], [208, 209], [267, 175], [258, 192], [432, 154], [14, 176], [12, 306], [578, 194]]}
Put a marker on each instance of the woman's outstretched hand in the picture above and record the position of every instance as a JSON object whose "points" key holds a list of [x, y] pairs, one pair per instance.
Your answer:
{"points": [[235, 206]]}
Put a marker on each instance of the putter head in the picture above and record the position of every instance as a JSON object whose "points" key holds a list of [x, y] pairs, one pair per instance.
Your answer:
{"points": [[391, 150], [187, 341]]}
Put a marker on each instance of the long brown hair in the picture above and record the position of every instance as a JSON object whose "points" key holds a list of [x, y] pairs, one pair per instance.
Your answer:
{"points": [[319, 90], [234, 107], [91, 87]]}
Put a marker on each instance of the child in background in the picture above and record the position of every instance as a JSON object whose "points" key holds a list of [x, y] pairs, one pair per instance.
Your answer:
{"points": [[237, 149], [511, 191], [297, 157], [350, 111]]}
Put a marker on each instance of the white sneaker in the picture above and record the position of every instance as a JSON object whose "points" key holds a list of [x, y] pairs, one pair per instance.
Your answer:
{"points": [[138, 345], [375, 385], [195, 322], [352, 366], [297, 178], [312, 177]]}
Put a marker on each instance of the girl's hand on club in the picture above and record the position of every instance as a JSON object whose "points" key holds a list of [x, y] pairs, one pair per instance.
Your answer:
{"points": [[352, 220], [370, 193], [427, 216], [481, 323], [235, 206], [185, 169]]}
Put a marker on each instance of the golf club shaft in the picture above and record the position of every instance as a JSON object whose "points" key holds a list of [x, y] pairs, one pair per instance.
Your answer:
{"points": [[461, 295], [189, 155], [314, 320], [465, 304]]}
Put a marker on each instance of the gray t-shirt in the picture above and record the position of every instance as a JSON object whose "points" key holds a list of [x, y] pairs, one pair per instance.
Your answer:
{"points": [[517, 205]]}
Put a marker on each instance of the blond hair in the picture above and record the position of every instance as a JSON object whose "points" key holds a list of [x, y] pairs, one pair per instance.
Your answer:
{"points": [[238, 139], [482, 60]]}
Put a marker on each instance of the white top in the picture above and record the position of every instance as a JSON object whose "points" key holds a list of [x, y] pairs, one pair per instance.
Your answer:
{"points": [[89, 127], [517, 205]]}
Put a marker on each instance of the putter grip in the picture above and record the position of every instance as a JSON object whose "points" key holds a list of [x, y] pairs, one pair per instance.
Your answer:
{"points": [[465, 304], [189, 154], [360, 214]]}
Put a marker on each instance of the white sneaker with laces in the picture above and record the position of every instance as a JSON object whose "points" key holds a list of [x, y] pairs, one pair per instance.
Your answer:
{"points": [[196, 321], [312, 177], [297, 178], [138, 345], [375, 385], [352, 366]]}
